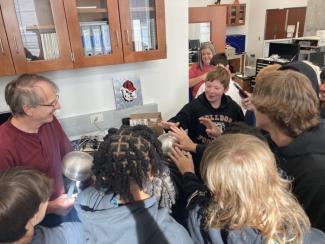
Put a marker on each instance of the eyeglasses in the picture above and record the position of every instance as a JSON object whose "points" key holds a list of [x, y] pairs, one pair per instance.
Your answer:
{"points": [[52, 104]]}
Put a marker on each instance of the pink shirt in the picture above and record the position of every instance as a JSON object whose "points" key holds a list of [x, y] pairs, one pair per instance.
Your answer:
{"points": [[195, 71], [42, 151]]}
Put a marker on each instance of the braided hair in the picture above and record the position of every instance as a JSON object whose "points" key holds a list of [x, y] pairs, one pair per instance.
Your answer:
{"points": [[127, 156]]}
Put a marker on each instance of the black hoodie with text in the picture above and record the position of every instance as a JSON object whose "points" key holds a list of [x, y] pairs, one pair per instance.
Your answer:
{"points": [[188, 117]]}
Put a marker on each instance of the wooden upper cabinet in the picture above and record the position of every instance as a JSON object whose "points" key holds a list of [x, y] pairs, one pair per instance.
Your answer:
{"points": [[37, 34], [94, 28], [236, 13], [6, 64], [143, 29], [46, 35], [110, 31]]}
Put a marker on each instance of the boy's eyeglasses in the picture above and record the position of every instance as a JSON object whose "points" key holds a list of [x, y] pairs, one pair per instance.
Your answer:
{"points": [[52, 104]]}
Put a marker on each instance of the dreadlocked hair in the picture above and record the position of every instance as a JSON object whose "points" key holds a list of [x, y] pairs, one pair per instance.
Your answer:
{"points": [[126, 157]]}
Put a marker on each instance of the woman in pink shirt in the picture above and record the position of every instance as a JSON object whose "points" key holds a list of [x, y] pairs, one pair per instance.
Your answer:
{"points": [[198, 71]]}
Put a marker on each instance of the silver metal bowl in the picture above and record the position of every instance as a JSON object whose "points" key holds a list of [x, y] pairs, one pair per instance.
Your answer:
{"points": [[167, 141], [77, 165]]}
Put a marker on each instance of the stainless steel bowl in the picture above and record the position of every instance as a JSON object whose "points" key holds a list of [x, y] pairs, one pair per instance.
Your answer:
{"points": [[167, 141], [77, 165]]}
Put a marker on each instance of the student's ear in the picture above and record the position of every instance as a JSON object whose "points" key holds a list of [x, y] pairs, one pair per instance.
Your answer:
{"points": [[226, 89], [27, 238], [31, 222]]}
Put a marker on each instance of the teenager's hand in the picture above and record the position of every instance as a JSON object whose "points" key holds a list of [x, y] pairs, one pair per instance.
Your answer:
{"points": [[247, 103], [166, 125], [184, 142], [183, 160], [211, 128], [61, 205]]}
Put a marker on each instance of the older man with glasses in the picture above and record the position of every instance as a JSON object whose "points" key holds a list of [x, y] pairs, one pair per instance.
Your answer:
{"points": [[33, 137]]}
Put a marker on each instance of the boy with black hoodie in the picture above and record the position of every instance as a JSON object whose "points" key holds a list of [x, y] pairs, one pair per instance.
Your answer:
{"points": [[212, 105]]}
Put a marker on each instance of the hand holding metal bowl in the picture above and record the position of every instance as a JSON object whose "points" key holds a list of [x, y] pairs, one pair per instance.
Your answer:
{"points": [[167, 142], [76, 167]]}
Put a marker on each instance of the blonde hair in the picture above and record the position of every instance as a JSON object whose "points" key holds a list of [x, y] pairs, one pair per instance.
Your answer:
{"points": [[221, 74], [289, 100], [247, 190], [266, 70]]}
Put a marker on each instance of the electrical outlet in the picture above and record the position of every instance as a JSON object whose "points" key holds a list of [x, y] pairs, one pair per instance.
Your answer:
{"points": [[96, 118]]}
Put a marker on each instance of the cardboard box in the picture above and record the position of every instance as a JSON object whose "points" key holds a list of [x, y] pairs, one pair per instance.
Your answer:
{"points": [[149, 119]]}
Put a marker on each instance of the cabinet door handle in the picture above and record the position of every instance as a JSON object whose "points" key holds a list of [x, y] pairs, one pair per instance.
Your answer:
{"points": [[117, 40], [16, 46], [1, 47], [127, 37]]}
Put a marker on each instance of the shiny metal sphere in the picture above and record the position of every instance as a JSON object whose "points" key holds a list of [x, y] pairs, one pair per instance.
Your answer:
{"points": [[77, 165], [167, 141]]}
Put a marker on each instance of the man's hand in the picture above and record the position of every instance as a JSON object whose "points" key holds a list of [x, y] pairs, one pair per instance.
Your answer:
{"points": [[183, 160], [184, 142], [166, 125], [211, 128], [61, 205]]}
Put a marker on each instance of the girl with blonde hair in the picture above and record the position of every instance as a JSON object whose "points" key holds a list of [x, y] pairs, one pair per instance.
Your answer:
{"points": [[244, 199]]}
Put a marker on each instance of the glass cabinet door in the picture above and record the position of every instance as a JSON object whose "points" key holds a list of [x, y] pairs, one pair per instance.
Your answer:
{"points": [[6, 64], [236, 14], [233, 15], [242, 11], [143, 25], [94, 32], [37, 34], [143, 28]]}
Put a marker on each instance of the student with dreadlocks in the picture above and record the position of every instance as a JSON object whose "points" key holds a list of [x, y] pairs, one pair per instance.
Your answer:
{"points": [[129, 201]]}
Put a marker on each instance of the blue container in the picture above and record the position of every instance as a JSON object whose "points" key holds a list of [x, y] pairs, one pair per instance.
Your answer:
{"points": [[236, 41]]}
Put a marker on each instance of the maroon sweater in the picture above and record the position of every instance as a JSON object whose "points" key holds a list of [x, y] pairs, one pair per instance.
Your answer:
{"points": [[42, 151]]}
